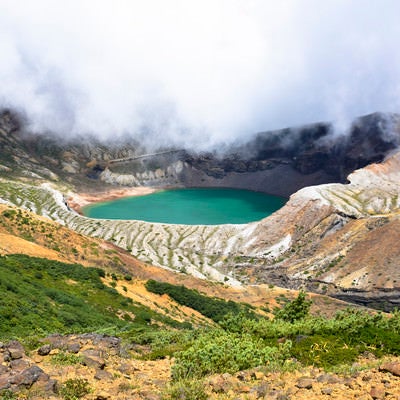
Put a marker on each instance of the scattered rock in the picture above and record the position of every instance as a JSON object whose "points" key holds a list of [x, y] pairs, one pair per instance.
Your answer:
{"points": [[126, 368], [4, 383], [19, 364], [327, 391], [327, 378], [74, 348], [15, 350], [377, 393], [218, 384], [94, 362], [243, 376], [44, 350], [244, 389], [258, 375], [305, 383], [28, 377], [3, 369], [261, 390], [277, 395], [103, 396], [102, 375], [392, 367], [149, 395]]}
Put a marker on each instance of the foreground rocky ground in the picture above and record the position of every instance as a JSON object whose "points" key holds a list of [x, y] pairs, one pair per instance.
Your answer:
{"points": [[97, 367]]}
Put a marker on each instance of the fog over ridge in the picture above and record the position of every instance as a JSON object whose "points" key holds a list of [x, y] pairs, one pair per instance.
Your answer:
{"points": [[197, 73]]}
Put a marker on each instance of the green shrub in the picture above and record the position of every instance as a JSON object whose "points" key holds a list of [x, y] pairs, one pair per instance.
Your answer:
{"points": [[73, 389], [7, 395], [186, 390], [9, 214], [324, 351], [63, 358], [165, 343], [295, 310], [218, 351]]}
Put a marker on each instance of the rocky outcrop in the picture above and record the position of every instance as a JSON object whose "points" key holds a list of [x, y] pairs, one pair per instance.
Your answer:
{"points": [[169, 175], [19, 373]]}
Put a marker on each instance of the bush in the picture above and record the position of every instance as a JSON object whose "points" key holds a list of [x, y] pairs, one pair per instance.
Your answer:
{"points": [[186, 390], [219, 351], [324, 351], [7, 395], [73, 389], [295, 310], [63, 358]]}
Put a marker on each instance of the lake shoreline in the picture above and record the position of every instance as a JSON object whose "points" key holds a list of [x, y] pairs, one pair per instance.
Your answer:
{"points": [[76, 201], [184, 206]]}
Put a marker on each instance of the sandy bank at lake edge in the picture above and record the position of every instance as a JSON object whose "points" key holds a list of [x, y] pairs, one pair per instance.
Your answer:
{"points": [[77, 201]]}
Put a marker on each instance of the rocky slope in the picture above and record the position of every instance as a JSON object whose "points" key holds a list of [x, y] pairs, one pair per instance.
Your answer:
{"points": [[338, 239], [101, 368]]}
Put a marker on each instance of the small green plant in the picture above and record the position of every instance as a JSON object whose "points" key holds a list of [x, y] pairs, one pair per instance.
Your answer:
{"points": [[9, 214], [186, 389], [63, 358], [7, 395], [294, 310], [73, 389]]}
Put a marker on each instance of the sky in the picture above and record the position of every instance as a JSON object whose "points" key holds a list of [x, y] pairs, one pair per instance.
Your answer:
{"points": [[197, 73]]}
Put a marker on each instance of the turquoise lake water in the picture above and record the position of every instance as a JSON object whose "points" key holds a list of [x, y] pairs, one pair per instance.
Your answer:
{"points": [[205, 206]]}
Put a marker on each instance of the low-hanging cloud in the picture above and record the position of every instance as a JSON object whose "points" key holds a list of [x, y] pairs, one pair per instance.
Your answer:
{"points": [[195, 73]]}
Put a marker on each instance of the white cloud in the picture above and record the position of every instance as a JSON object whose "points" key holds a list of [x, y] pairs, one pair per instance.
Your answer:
{"points": [[189, 71]]}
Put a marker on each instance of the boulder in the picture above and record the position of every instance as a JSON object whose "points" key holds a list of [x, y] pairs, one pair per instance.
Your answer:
{"points": [[305, 383], [392, 367], [28, 377], [44, 350], [15, 350]]}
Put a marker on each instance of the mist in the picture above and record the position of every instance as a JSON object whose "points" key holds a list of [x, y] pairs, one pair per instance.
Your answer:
{"points": [[197, 74]]}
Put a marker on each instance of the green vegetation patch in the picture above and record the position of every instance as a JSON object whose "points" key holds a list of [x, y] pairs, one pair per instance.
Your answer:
{"points": [[239, 342], [214, 308], [41, 296]]}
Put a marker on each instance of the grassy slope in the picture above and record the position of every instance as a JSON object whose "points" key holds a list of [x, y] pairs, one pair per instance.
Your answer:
{"points": [[40, 296]]}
